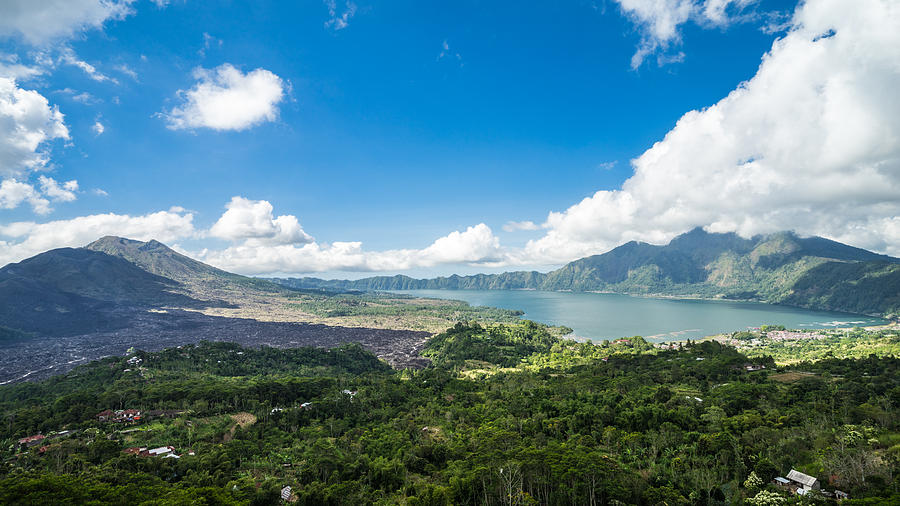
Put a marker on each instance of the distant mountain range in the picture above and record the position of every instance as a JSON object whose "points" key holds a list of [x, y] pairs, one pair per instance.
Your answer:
{"points": [[114, 283], [100, 287], [781, 268]]}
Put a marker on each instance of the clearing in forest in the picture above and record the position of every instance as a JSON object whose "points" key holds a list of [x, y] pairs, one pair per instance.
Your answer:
{"points": [[243, 419]]}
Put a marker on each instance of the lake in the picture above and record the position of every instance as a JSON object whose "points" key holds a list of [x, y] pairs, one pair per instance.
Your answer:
{"points": [[600, 316]]}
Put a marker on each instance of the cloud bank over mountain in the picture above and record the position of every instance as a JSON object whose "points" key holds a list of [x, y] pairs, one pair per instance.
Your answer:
{"points": [[810, 143]]}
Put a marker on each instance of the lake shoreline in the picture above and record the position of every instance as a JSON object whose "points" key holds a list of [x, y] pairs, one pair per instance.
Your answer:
{"points": [[599, 315]]}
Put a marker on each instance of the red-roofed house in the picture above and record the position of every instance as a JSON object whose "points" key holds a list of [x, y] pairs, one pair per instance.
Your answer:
{"points": [[28, 442]]}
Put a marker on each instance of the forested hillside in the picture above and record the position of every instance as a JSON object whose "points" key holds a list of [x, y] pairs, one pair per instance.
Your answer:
{"points": [[779, 268], [507, 414]]}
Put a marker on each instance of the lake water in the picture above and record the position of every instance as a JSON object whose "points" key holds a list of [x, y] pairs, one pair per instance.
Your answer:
{"points": [[600, 316]]}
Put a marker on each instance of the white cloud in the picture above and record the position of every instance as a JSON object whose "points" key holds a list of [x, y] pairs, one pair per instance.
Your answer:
{"points": [[69, 57], [716, 11], [265, 244], [515, 226], [607, 165], [64, 192], [227, 99], [252, 220], [11, 67], [100, 192], [25, 239], [82, 97], [14, 193], [98, 128], [339, 20], [128, 71], [810, 143], [41, 21], [475, 245], [659, 22], [447, 53], [27, 122], [208, 42]]}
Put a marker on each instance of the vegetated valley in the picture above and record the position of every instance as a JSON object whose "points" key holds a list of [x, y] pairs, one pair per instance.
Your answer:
{"points": [[505, 414], [135, 375]]}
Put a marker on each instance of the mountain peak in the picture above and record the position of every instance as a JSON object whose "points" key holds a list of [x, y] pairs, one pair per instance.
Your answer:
{"points": [[155, 257], [110, 243], [111, 240]]}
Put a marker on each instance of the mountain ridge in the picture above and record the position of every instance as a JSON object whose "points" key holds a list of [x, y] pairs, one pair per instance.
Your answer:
{"points": [[107, 284], [781, 268]]}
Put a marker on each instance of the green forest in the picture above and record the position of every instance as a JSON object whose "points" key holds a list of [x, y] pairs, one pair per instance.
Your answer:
{"points": [[507, 414]]}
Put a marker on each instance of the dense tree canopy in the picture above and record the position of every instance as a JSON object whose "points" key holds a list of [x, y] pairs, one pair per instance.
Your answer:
{"points": [[507, 414]]}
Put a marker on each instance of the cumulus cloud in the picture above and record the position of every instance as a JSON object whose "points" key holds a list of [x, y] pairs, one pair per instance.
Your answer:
{"points": [[64, 192], [810, 143], [39, 22], [14, 193], [252, 220], [338, 20], [266, 244], [475, 245], [26, 239], [659, 23], [225, 98], [27, 123]]}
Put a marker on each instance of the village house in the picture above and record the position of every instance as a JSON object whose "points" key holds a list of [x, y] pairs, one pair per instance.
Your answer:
{"points": [[60, 435], [804, 480], [120, 416], [162, 451], [28, 442], [799, 483], [787, 335]]}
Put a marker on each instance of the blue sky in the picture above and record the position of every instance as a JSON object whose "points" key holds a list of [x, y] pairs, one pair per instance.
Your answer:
{"points": [[394, 124]]}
